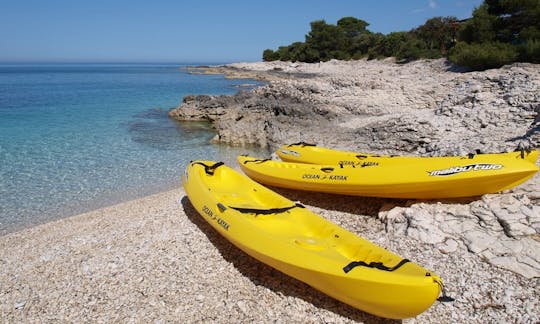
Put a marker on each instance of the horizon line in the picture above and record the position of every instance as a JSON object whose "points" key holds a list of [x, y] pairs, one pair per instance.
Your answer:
{"points": [[180, 62]]}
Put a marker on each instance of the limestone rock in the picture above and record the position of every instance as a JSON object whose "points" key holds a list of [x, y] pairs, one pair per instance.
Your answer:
{"points": [[421, 108], [418, 108], [494, 228]]}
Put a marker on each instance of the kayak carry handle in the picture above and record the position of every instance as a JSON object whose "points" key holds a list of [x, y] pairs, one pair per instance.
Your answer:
{"points": [[258, 161], [266, 211], [301, 144], [376, 265], [209, 169]]}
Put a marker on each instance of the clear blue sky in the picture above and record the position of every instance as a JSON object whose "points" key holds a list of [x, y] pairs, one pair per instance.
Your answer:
{"points": [[189, 30]]}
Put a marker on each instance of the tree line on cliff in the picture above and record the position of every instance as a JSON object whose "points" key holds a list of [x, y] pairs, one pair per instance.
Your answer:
{"points": [[498, 33]]}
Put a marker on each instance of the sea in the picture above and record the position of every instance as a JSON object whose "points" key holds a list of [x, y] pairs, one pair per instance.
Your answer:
{"points": [[77, 137]]}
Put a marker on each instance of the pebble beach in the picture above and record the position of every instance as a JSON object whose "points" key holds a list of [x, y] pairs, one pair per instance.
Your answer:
{"points": [[156, 260]]}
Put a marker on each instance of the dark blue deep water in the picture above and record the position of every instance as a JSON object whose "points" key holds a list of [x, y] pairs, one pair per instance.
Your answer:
{"points": [[79, 137]]}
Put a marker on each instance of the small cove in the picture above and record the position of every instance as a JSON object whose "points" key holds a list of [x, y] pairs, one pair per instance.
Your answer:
{"points": [[76, 137]]}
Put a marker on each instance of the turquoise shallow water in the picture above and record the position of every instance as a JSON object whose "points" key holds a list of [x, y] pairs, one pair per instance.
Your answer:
{"points": [[79, 137]]}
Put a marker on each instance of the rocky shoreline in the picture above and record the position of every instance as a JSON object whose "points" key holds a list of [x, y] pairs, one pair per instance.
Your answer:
{"points": [[487, 248], [423, 107], [156, 260]]}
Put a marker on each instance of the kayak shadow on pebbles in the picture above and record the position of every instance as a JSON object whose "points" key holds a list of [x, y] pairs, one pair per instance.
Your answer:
{"points": [[368, 206], [359, 205], [279, 285]]}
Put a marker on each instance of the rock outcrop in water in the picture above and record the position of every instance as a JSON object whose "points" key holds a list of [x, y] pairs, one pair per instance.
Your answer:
{"points": [[427, 108], [420, 108], [264, 119]]}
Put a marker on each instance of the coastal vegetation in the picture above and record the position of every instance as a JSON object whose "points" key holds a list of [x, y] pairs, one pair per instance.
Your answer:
{"points": [[499, 32]]}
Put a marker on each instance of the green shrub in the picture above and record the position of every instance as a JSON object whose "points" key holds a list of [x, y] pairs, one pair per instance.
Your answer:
{"points": [[270, 55], [483, 56], [500, 32], [530, 51]]}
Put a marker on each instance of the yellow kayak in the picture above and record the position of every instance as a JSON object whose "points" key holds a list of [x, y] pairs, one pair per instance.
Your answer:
{"points": [[309, 153], [303, 245], [441, 178]]}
